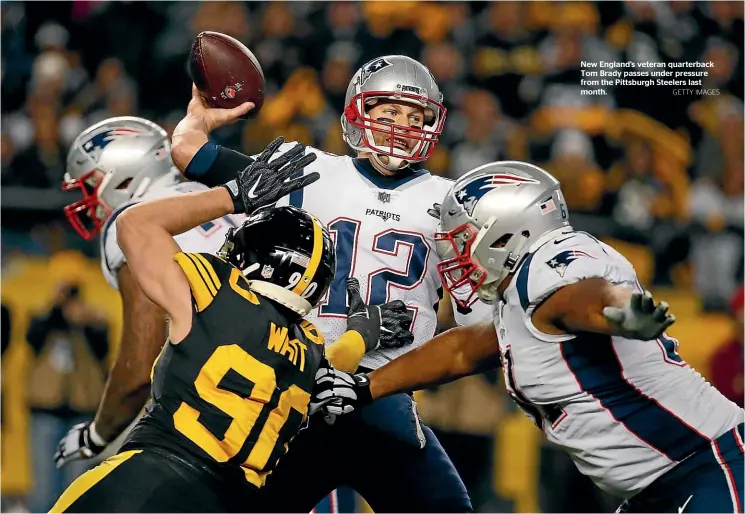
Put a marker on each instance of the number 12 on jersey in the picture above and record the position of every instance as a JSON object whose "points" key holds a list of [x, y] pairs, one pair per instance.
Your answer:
{"points": [[346, 232]]}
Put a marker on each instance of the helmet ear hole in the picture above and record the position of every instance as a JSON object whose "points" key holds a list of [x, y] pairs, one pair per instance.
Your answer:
{"points": [[125, 184], [501, 242]]}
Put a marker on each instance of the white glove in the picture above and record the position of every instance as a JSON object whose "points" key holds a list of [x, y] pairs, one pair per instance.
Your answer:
{"points": [[640, 318], [338, 393], [81, 442]]}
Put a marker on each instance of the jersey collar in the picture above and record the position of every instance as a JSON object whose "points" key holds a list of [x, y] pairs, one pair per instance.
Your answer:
{"points": [[366, 169]]}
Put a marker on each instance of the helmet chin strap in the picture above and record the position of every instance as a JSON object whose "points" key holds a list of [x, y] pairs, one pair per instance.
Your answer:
{"points": [[387, 162]]}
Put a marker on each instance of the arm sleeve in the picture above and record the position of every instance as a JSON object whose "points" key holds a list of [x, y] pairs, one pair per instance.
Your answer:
{"points": [[346, 352], [214, 165]]}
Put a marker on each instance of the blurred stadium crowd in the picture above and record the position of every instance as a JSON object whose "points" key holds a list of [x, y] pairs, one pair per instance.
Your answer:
{"points": [[658, 175]]}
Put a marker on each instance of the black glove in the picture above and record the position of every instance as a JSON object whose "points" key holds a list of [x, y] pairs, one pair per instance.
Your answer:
{"points": [[336, 392], [263, 182], [79, 443], [381, 326]]}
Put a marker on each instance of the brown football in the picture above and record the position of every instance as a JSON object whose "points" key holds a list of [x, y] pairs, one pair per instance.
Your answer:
{"points": [[226, 72]]}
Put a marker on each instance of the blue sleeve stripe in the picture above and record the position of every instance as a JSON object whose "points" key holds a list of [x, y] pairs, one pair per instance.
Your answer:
{"points": [[296, 197], [202, 161], [522, 282]]}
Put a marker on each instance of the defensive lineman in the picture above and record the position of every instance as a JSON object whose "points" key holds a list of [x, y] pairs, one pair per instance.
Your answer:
{"points": [[581, 345]]}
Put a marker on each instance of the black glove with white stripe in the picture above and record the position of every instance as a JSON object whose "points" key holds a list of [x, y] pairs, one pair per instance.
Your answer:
{"points": [[381, 326], [337, 393], [641, 318], [263, 182]]}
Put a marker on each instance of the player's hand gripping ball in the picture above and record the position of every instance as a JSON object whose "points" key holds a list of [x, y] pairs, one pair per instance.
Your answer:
{"points": [[225, 72]]}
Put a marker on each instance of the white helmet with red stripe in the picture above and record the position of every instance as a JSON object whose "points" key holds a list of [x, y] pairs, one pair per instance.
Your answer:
{"points": [[110, 163], [397, 78], [491, 218]]}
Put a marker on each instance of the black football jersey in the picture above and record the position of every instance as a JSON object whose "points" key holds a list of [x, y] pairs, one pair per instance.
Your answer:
{"points": [[236, 390]]}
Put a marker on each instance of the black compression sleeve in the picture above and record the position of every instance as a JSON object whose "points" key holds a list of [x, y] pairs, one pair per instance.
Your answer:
{"points": [[214, 165]]}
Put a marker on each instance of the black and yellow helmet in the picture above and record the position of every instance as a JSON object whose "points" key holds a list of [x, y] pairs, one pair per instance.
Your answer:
{"points": [[287, 247]]}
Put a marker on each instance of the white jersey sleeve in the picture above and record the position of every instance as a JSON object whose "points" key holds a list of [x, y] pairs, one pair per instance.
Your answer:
{"points": [[568, 258], [206, 238]]}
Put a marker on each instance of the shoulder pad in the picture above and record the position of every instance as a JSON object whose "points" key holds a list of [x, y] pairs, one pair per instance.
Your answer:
{"points": [[558, 263]]}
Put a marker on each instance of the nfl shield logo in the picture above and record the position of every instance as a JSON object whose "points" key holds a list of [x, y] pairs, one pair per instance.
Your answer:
{"points": [[384, 197], [267, 271]]}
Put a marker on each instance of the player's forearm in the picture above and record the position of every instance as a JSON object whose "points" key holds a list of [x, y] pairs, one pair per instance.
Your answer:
{"points": [[177, 214], [143, 335], [206, 162], [457, 353], [188, 137], [588, 299]]}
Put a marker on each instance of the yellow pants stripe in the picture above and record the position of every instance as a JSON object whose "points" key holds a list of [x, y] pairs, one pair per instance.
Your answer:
{"points": [[90, 478], [315, 259]]}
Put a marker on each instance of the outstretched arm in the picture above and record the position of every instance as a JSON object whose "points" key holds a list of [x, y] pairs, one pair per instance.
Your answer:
{"points": [[457, 353], [145, 234], [128, 385], [595, 305], [454, 354]]}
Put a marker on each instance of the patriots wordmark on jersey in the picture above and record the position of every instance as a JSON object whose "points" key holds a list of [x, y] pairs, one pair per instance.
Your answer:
{"points": [[206, 238], [626, 411], [384, 237]]}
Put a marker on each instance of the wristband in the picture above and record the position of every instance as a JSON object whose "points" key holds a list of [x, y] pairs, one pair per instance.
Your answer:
{"points": [[362, 388], [95, 436]]}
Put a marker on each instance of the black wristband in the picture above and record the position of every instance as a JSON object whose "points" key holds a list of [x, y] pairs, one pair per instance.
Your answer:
{"points": [[232, 189], [362, 388], [214, 165]]}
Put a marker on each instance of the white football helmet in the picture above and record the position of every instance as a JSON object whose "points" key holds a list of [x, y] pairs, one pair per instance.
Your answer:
{"points": [[399, 78], [491, 218], [110, 163]]}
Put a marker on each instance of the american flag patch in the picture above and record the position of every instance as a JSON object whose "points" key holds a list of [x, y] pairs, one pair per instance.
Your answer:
{"points": [[548, 206], [300, 259]]}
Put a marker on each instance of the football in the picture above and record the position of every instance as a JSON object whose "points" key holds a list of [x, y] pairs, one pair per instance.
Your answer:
{"points": [[225, 72]]}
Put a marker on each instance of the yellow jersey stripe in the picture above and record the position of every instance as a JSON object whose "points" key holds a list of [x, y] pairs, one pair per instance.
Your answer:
{"points": [[201, 292], [315, 259], [210, 270], [89, 479], [203, 272]]}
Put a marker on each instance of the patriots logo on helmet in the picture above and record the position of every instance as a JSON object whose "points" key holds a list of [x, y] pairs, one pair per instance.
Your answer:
{"points": [[560, 262], [471, 192], [372, 67], [102, 139]]}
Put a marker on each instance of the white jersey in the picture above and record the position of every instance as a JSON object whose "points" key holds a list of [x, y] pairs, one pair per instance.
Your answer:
{"points": [[206, 238], [384, 237], [625, 410]]}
